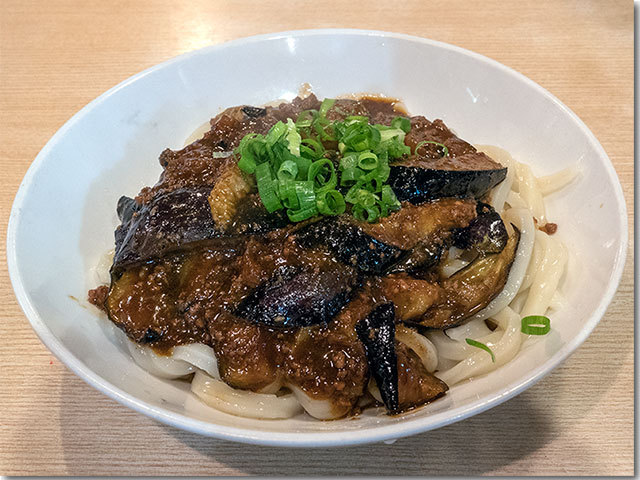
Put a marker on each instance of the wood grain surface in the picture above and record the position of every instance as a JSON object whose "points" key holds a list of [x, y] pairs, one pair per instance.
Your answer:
{"points": [[56, 56]]}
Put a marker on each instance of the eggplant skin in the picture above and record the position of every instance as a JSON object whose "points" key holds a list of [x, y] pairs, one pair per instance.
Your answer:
{"points": [[351, 245], [298, 297], [254, 112], [471, 289], [417, 185], [167, 223], [126, 208], [377, 332], [179, 220], [486, 233]]}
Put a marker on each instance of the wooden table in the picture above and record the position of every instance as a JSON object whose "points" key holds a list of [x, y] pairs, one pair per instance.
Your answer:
{"points": [[56, 56]]}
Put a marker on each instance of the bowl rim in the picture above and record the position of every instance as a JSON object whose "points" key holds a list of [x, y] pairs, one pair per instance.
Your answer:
{"points": [[308, 439]]}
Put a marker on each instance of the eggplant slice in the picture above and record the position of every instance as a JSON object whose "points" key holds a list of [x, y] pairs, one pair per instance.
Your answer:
{"points": [[486, 233], [377, 332], [180, 220], [300, 297], [350, 245], [418, 181], [410, 239], [167, 223], [472, 288]]}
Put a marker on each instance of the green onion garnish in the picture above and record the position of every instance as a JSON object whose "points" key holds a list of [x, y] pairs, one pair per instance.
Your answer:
{"points": [[536, 325], [297, 167], [445, 150], [330, 202], [481, 345]]}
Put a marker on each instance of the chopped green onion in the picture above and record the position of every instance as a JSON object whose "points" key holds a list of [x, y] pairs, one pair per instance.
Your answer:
{"points": [[350, 176], [389, 198], [305, 118], [266, 188], [288, 194], [275, 133], [536, 325], [288, 170], [323, 174], [313, 146], [403, 123], [303, 166], [367, 160], [481, 345], [293, 138], [296, 166], [389, 133], [326, 105], [445, 150], [330, 202], [300, 215], [366, 214], [306, 195], [349, 161]]}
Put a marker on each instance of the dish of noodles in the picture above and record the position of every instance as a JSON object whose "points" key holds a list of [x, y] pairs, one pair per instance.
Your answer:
{"points": [[332, 256]]}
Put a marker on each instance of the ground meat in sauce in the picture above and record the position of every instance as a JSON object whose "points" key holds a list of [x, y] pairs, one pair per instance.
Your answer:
{"points": [[97, 296], [549, 228], [191, 295]]}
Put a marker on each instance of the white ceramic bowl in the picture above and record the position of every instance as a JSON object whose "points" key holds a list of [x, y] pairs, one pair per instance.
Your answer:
{"points": [[63, 216]]}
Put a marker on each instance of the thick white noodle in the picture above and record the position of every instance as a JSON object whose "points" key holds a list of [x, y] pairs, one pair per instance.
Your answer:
{"points": [[101, 270], [453, 262], [182, 361], [473, 329], [522, 219], [529, 192], [557, 301], [320, 409], [243, 403], [546, 280], [421, 346], [554, 182], [373, 390], [480, 362], [158, 365], [456, 349], [499, 194], [536, 258], [199, 355], [515, 201]]}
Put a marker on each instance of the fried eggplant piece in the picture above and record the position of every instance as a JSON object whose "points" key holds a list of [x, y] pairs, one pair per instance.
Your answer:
{"points": [[377, 333], [486, 233], [416, 386], [350, 245], [167, 223], [416, 180], [412, 297], [300, 297], [472, 288], [411, 238], [423, 231]]}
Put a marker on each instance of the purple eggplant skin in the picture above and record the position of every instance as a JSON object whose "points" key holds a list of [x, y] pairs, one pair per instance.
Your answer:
{"points": [[418, 185], [127, 206], [295, 297], [167, 223], [351, 245], [179, 220], [486, 233], [377, 332], [254, 112]]}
